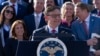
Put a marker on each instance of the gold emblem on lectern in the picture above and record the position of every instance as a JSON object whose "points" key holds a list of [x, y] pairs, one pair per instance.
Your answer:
{"points": [[51, 50]]}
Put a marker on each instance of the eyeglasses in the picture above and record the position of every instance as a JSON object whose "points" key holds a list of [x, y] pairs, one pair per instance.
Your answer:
{"points": [[55, 15], [8, 11]]}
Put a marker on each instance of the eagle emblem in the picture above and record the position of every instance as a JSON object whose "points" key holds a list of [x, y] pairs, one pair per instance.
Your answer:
{"points": [[52, 47], [51, 51]]}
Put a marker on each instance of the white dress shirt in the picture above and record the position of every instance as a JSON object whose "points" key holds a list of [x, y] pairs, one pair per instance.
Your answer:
{"points": [[37, 19], [50, 29], [87, 20]]}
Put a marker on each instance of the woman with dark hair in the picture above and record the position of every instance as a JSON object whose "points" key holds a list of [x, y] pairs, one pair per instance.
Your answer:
{"points": [[7, 17], [17, 33]]}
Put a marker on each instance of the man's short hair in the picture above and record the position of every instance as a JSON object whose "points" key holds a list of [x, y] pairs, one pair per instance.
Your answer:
{"points": [[83, 6], [50, 9]]}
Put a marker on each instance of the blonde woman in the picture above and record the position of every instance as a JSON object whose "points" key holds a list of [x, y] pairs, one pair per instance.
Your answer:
{"points": [[67, 14]]}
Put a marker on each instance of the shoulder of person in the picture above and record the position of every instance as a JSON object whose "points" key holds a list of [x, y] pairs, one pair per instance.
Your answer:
{"points": [[5, 3], [40, 30], [65, 29]]}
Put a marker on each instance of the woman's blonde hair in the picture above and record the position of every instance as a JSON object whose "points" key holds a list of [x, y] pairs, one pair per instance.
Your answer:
{"points": [[63, 8]]}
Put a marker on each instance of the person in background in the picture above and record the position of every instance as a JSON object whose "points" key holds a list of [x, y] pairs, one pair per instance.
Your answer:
{"points": [[49, 3], [7, 17], [17, 33], [67, 14], [36, 19], [60, 2], [53, 16], [20, 10], [85, 25], [75, 1], [96, 4]]}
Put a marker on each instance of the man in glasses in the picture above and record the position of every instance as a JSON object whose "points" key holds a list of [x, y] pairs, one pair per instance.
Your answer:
{"points": [[52, 16]]}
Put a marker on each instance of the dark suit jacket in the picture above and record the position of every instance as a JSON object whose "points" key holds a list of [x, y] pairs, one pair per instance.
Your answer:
{"points": [[64, 34], [21, 10], [30, 23], [94, 11], [0, 8], [79, 31], [11, 47], [1, 47]]}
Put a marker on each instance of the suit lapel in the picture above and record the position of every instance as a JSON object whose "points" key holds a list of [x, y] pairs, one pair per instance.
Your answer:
{"points": [[19, 9], [91, 25], [46, 29], [33, 21], [41, 21]]}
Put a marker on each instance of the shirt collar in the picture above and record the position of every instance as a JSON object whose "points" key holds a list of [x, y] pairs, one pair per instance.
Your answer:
{"points": [[50, 29], [35, 14], [88, 18]]}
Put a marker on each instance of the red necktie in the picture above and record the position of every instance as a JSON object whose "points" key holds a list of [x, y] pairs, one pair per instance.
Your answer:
{"points": [[85, 27], [53, 31]]}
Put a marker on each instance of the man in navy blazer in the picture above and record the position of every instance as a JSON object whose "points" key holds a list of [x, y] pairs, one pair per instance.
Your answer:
{"points": [[19, 9], [86, 24], [30, 20], [52, 16]]}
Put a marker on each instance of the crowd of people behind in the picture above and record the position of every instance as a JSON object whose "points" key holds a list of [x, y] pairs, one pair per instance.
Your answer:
{"points": [[27, 19]]}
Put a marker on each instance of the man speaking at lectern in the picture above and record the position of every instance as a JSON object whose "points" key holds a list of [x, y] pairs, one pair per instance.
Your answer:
{"points": [[52, 16]]}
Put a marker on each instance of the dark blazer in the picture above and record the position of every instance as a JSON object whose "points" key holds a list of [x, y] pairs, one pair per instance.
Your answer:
{"points": [[78, 29], [30, 23], [21, 10], [1, 47], [94, 11], [64, 34], [11, 47], [0, 8]]}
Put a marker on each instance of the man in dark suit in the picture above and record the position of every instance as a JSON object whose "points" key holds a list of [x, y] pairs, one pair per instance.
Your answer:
{"points": [[36, 19], [52, 16], [19, 9], [86, 24], [96, 11]]}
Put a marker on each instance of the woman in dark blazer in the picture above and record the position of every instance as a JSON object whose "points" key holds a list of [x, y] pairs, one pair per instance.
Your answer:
{"points": [[17, 33], [7, 17]]}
